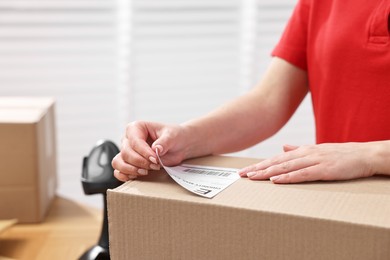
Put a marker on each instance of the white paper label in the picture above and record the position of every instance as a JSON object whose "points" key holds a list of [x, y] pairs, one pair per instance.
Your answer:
{"points": [[205, 181]]}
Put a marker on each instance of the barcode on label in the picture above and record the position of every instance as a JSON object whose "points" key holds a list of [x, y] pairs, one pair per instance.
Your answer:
{"points": [[209, 172]]}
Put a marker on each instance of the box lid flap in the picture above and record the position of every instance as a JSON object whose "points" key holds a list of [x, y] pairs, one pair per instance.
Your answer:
{"points": [[26, 102], [20, 115]]}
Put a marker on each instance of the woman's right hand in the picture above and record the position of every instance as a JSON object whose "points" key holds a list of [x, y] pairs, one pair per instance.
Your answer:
{"points": [[138, 149]]}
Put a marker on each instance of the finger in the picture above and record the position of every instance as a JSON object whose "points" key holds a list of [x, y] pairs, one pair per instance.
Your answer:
{"points": [[163, 144], [281, 168], [262, 165], [157, 148], [131, 154], [123, 177], [311, 173], [141, 130], [137, 134], [288, 147], [143, 149], [125, 168], [253, 168], [292, 153]]}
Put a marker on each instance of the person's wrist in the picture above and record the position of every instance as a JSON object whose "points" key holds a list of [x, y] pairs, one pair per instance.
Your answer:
{"points": [[379, 155], [196, 144]]}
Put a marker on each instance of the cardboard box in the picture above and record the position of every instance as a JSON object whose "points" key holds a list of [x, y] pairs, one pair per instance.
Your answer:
{"points": [[154, 218], [6, 223], [27, 158]]}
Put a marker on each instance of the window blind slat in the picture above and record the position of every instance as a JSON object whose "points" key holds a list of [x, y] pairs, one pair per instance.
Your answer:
{"points": [[60, 5]]}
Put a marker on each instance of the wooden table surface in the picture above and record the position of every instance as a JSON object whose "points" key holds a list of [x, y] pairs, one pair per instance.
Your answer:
{"points": [[67, 232]]}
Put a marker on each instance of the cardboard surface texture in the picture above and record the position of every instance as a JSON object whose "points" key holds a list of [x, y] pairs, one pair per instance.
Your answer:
{"points": [[154, 218], [4, 224], [27, 158]]}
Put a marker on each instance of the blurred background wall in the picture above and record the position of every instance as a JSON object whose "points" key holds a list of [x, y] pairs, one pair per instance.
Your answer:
{"points": [[109, 62]]}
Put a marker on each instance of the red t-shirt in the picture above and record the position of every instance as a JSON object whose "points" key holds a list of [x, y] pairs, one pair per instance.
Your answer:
{"points": [[344, 45]]}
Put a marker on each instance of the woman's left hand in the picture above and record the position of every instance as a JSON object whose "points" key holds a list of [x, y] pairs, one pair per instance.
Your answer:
{"points": [[330, 161]]}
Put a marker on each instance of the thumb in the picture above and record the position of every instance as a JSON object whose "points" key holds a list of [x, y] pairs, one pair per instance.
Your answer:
{"points": [[288, 147], [162, 144], [158, 147]]}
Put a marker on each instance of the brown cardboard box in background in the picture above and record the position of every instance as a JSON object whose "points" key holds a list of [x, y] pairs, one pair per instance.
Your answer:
{"points": [[4, 224], [27, 158], [154, 218]]}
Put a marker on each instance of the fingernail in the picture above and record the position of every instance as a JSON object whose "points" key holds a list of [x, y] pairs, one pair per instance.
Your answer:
{"points": [[241, 170], [153, 160], [142, 171], [155, 166], [274, 178], [159, 148], [251, 174], [131, 177]]}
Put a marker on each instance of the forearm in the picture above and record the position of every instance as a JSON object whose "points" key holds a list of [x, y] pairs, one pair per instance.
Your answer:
{"points": [[252, 117], [234, 126]]}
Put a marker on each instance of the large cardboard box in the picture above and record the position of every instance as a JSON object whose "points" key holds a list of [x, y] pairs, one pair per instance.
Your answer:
{"points": [[154, 218], [27, 158]]}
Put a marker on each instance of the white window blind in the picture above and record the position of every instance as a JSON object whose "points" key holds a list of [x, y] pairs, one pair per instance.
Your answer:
{"points": [[66, 49], [184, 57]]}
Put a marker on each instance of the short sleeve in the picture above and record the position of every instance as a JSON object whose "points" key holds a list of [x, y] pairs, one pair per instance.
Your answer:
{"points": [[292, 45]]}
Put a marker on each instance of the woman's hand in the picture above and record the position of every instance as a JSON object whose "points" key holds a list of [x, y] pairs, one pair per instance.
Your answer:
{"points": [[138, 150], [333, 161]]}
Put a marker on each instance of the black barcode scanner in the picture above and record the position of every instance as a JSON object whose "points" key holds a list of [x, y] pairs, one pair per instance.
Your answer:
{"points": [[97, 176]]}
